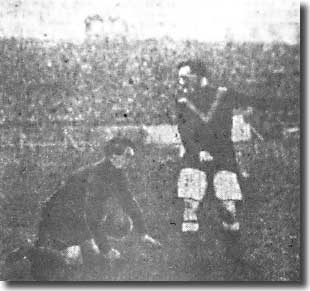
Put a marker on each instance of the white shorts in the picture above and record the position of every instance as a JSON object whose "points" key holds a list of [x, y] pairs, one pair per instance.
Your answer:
{"points": [[192, 184], [226, 186]]}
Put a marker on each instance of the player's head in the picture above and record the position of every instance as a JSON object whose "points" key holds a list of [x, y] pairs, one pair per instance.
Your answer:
{"points": [[94, 27], [119, 151], [192, 75]]}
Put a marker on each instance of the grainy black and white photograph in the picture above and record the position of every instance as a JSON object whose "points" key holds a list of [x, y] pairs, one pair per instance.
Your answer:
{"points": [[150, 140]]}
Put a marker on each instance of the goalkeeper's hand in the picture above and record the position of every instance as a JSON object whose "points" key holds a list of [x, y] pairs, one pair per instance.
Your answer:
{"points": [[182, 100], [148, 239]]}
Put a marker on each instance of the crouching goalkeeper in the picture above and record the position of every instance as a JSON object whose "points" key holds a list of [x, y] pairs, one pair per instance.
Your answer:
{"points": [[72, 218]]}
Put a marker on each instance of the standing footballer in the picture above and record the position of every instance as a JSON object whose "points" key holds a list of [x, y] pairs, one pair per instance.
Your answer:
{"points": [[204, 119]]}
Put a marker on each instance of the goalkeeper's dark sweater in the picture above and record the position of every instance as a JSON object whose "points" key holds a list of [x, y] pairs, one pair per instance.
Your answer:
{"points": [[75, 212]]}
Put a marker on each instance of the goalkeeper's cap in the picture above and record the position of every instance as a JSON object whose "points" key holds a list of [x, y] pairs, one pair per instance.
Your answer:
{"points": [[197, 67], [119, 146]]}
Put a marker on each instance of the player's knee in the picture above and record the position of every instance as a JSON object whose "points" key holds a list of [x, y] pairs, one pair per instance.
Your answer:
{"points": [[228, 212], [229, 215], [230, 207], [190, 219], [190, 210], [227, 186], [192, 184], [73, 255]]}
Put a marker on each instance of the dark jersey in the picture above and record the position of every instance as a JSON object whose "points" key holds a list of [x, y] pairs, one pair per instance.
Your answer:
{"points": [[75, 212], [215, 136]]}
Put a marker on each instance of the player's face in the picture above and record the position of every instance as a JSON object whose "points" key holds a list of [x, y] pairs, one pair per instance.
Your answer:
{"points": [[187, 82], [95, 30], [123, 160]]}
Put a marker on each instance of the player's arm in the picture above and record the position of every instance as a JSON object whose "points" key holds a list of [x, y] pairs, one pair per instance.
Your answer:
{"points": [[190, 143], [129, 204], [187, 133], [93, 218], [205, 117], [248, 103], [190, 137], [190, 105], [132, 209]]}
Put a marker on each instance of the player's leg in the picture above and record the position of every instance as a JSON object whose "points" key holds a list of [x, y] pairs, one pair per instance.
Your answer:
{"points": [[192, 185], [132, 209], [67, 232], [228, 192], [98, 241], [52, 230]]}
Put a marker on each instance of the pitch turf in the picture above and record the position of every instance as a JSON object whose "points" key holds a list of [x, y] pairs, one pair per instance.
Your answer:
{"points": [[270, 218]]}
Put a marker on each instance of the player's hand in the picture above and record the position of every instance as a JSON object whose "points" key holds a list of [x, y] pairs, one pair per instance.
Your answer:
{"points": [[182, 100], [113, 254], [205, 156], [245, 174], [249, 111], [248, 114], [148, 239], [182, 151], [222, 89]]}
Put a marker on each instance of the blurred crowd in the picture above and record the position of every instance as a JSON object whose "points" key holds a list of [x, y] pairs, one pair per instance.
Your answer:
{"points": [[120, 81]]}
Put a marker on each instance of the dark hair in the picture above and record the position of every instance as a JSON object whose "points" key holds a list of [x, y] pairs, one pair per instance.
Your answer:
{"points": [[118, 145], [91, 18], [197, 67]]}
